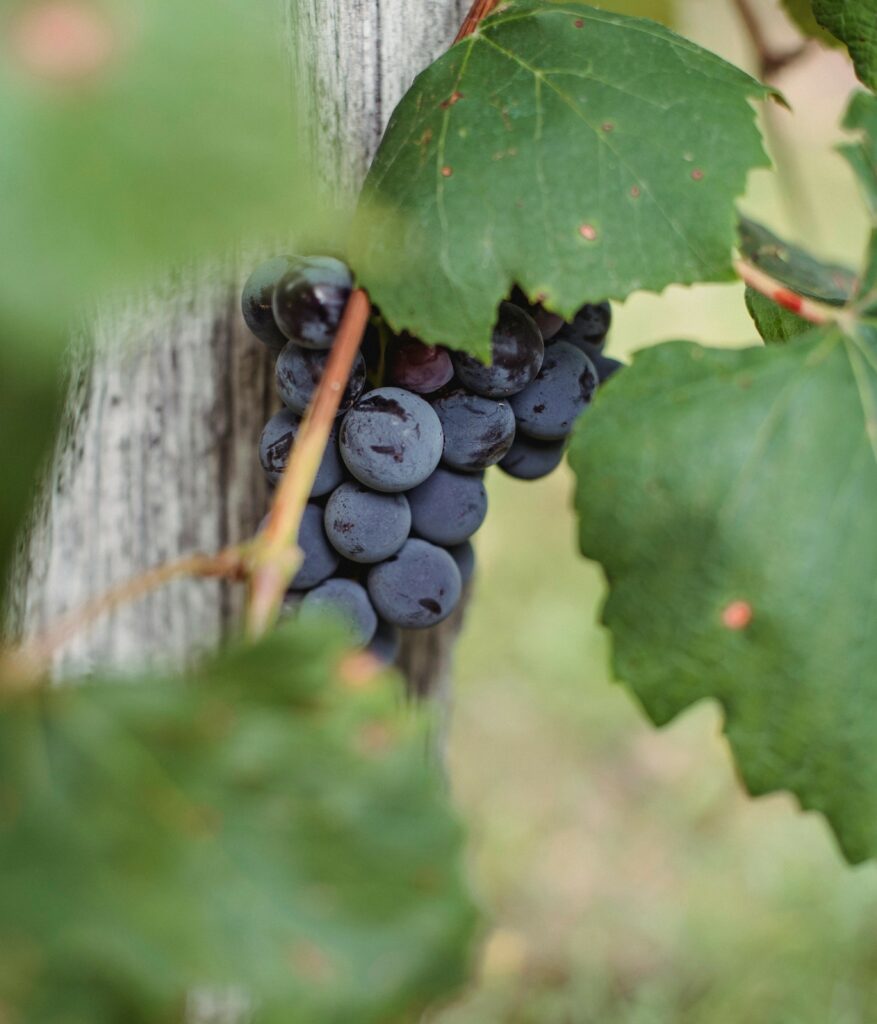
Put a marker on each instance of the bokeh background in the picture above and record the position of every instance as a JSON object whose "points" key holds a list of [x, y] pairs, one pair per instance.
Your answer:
{"points": [[625, 875]]}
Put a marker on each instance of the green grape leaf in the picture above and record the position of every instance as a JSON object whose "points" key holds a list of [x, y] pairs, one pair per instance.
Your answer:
{"points": [[178, 142], [578, 153], [801, 13], [261, 831], [861, 119], [854, 23], [728, 495], [665, 11], [775, 324]]}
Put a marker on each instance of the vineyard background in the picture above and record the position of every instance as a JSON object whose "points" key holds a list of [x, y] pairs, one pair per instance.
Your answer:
{"points": [[628, 878]]}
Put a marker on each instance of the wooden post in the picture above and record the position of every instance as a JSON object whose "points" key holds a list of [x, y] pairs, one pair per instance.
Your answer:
{"points": [[158, 453]]}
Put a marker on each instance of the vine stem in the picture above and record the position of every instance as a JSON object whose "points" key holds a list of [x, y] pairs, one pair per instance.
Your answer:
{"points": [[770, 61], [275, 558], [21, 667], [807, 309], [478, 11]]}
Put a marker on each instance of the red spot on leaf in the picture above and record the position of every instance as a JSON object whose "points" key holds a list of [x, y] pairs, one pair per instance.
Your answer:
{"points": [[447, 171], [635, 192], [455, 97], [63, 40], [607, 126], [788, 300], [697, 174], [579, 23], [737, 615], [588, 231]]}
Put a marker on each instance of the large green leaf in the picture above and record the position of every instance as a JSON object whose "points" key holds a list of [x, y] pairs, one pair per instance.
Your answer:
{"points": [[853, 22], [729, 497], [861, 118], [179, 142], [577, 152], [261, 827]]}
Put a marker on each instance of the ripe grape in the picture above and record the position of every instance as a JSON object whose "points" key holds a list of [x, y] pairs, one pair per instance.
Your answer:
{"points": [[275, 445], [417, 587], [464, 555], [391, 440], [547, 409], [548, 323], [299, 371], [529, 460], [309, 300], [448, 507], [350, 602], [320, 558], [603, 364], [366, 526], [517, 350], [257, 297], [420, 368], [478, 431], [386, 642], [589, 326]]}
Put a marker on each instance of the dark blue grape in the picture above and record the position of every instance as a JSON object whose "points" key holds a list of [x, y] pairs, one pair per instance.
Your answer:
{"points": [[299, 371], [348, 600], [385, 643], [418, 587], [529, 460], [547, 409], [603, 364], [548, 323], [364, 525], [448, 507], [517, 350], [589, 326], [276, 443], [256, 299], [309, 300], [464, 555], [320, 558], [420, 368], [391, 440], [478, 431]]}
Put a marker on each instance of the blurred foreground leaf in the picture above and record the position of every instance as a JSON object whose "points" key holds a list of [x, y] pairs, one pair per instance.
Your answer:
{"points": [[261, 827], [728, 496], [175, 140], [854, 22]]}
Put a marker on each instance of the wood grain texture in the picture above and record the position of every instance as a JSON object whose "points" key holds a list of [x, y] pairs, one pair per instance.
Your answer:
{"points": [[158, 453]]}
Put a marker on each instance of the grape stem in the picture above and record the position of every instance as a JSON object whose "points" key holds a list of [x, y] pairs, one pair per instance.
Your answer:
{"points": [[274, 556], [477, 12], [776, 291]]}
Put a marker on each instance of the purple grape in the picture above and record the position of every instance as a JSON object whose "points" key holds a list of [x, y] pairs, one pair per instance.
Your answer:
{"points": [[416, 588], [320, 558], [464, 555], [298, 373], [364, 525], [257, 297], [391, 440], [420, 368], [547, 408], [478, 431], [517, 350], [589, 326], [530, 460], [309, 300], [349, 601], [448, 507], [276, 443], [548, 323], [603, 364]]}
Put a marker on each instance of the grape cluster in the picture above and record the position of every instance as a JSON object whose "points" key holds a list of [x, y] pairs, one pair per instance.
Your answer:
{"points": [[400, 490]]}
